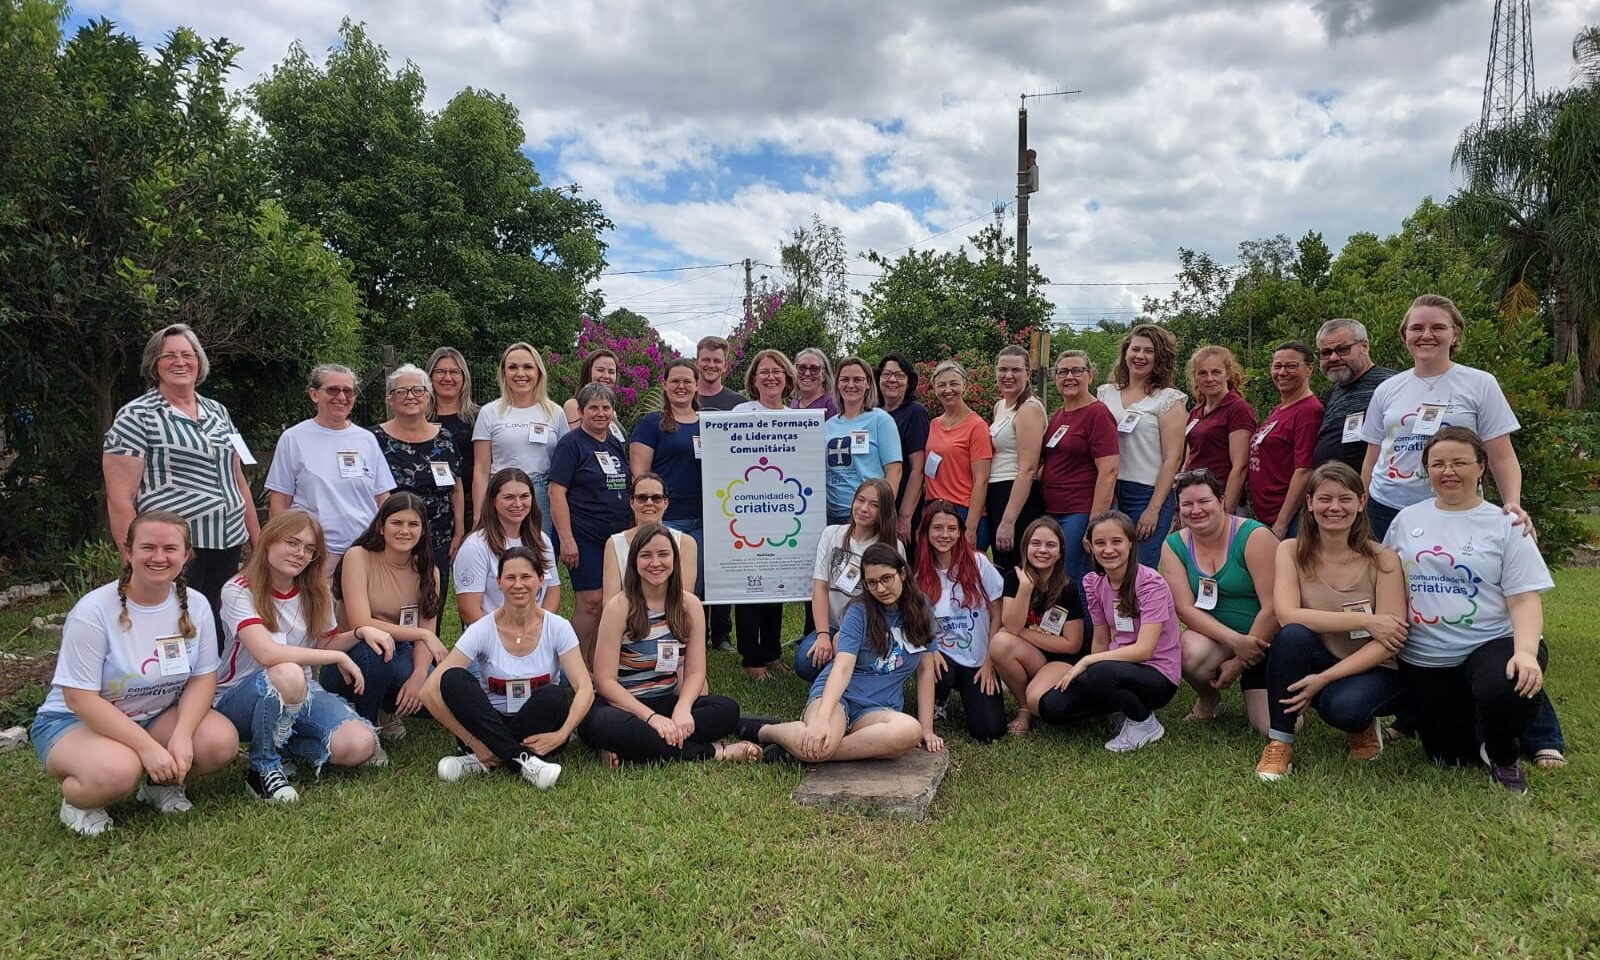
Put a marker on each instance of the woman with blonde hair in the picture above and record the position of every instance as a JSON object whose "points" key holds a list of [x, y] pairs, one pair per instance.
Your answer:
{"points": [[1221, 423], [771, 381], [455, 410], [959, 451], [1013, 499], [520, 429]]}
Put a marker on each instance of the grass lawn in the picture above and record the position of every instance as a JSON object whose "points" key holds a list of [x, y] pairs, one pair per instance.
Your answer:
{"points": [[1044, 846]]}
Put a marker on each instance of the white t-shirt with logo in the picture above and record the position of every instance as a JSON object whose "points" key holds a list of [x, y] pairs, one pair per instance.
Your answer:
{"points": [[125, 665], [1460, 567], [1474, 400], [239, 611], [494, 664], [477, 570], [312, 465], [507, 432], [964, 631], [832, 557]]}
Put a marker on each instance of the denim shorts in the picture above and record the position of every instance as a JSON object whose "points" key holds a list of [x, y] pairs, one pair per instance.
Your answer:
{"points": [[49, 727]]}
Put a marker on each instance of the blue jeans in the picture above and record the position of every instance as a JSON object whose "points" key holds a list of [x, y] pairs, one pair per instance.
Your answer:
{"points": [[1132, 499], [1073, 556], [1380, 515], [384, 678], [803, 667], [260, 716], [541, 496], [1349, 703]]}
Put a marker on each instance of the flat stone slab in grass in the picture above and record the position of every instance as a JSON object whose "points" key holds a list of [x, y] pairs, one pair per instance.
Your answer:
{"points": [[903, 787]]}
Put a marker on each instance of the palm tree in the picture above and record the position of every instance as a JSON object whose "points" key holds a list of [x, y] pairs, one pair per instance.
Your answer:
{"points": [[1533, 185]]}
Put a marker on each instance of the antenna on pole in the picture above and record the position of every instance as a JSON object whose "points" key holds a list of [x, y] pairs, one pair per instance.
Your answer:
{"points": [[1028, 183], [1508, 79]]}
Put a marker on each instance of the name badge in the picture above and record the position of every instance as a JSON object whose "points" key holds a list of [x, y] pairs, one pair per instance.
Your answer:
{"points": [[697, 455], [1124, 624], [242, 450], [1055, 438], [349, 464], [1207, 598], [608, 463], [174, 656], [899, 638], [517, 693], [669, 654], [849, 575], [1261, 434], [1129, 421], [538, 433], [1430, 417], [860, 441], [1190, 428], [442, 477], [1352, 427], [408, 616], [1054, 621], [930, 466], [1359, 606], [616, 431]]}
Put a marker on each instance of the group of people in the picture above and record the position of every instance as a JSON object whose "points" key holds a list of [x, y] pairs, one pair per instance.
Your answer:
{"points": [[1336, 554]]}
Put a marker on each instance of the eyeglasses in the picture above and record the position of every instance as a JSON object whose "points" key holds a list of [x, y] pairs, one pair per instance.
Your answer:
{"points": [[1071, 372], [1198, 473], [447, 372], [808, 367], [300, 547], [185, 356], [882, 583], [892, 375], [418, 392], [1285, 367], [339, 391], [1342, 350], [649, 498]]}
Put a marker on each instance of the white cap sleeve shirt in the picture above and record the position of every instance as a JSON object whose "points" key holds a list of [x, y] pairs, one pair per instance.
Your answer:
{"points": [[964, 631], [1474, 400], [123, 664], [507, 433], [1141, 447], [495, 664], [833, 551], [477, 570], [239, 611], [306, 466]]}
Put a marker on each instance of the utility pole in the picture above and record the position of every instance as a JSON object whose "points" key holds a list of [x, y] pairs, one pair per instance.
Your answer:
{"points": [[749, 291], [1028, 183]]}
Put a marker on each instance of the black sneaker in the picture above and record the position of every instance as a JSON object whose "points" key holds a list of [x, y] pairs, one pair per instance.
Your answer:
{"points": [[1510, 776], [749, 726], [773, 753], [271, 786], [721, 646]]}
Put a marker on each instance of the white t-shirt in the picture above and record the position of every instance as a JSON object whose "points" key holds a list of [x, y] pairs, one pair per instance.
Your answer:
{"points": [[833, 561], [310, 465], [477, 570], [1475, 402], [494, 664], [1141, 446], [1460, 567], [239, 611], [509, 434], [964, 631], [125, 665]]}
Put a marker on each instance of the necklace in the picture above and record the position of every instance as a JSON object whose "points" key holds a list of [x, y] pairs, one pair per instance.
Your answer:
{"points": [[1430, 383]]}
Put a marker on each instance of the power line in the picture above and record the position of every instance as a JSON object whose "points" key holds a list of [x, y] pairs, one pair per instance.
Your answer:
{"points": [[699, 266]]}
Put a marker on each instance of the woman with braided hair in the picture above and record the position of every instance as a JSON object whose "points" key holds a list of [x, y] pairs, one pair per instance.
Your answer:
{"points": [[131, 698]]}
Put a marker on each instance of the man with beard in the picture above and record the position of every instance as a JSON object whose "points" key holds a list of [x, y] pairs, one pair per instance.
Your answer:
{"points": [[1345, 355]]}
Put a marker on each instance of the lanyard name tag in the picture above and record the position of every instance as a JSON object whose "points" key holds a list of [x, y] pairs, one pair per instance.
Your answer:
{"points": [[930, 466], [442, 477], [1261, 434], [517, 693], [860, 441], [1055, 438], [1430, 417], [669, 654], [1124, 624], [174, 656], [1352, 427], [408, 616], [1054, 621], [849, 575], [697, 454], [616, 431], [1190, 428], [349, 464], [1207, 600], [1359, 606], [242, 450], [538, 433], [608, 463], [1129, 421]]}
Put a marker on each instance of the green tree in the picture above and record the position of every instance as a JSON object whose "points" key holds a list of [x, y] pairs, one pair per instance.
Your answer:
{"points": [[451, 236], [815, 276], [623, 322]]}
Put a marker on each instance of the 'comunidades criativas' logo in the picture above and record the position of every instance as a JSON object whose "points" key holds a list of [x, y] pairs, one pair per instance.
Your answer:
{"points": [[764, 507]]}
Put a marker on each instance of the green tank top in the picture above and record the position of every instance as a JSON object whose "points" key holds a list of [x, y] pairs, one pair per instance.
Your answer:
{"points": [[1237, 604]]}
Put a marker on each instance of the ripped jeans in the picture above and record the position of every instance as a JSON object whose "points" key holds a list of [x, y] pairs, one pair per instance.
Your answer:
{"points": [[302, 732]]}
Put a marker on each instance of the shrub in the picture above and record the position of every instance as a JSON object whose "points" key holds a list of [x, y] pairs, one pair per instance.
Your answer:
{"points": [[641, 361]]}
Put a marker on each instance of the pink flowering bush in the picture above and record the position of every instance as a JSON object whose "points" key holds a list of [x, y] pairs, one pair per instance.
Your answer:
{"points": [[641, 362]]}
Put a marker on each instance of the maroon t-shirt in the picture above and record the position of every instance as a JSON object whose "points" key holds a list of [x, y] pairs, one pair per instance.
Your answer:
{"points": [[1069, 472], [1285, 443], [1208, 434]]}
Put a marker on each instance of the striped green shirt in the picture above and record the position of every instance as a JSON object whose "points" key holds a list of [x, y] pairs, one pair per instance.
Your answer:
{"points": [[188, 466]]}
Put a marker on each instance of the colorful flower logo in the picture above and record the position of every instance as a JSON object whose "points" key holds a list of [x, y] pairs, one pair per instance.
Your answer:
{"points": [[764, 508]]}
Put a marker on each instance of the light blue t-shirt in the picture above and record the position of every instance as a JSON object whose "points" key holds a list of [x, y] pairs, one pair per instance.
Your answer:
{"points": [[859, 448], [878, 683]]}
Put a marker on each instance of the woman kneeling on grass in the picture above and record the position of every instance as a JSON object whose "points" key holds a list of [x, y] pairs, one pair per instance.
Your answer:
{"points": [[650, 667], [857, 703], [1135, 665], [1342, 601], [514, 713], [131, 698], [965, 590], [279, 618], [1041, 619]]}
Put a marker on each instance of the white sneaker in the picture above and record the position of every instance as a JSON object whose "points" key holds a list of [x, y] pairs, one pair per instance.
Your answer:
{"points": [[89, 822], [390, 726], [456, 766], [164, 798], [540, 773], [1136, 734], [380, 756]]}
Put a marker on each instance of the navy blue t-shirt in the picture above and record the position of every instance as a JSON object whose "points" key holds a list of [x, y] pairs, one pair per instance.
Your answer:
{"points": [[675, 461], [597, 497], [911, 419]]}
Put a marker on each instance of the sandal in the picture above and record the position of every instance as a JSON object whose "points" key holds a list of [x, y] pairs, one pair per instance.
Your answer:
{"points": [[1550, 758], [610, 760], [1020, 724], [758, 674], [740, 751]]}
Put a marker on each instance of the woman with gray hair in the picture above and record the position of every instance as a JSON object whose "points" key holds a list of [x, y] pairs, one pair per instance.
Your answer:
{"points": [[813, 386], [589, 480], [172, 449], [454, 409], [328, 466], [424, 459]]}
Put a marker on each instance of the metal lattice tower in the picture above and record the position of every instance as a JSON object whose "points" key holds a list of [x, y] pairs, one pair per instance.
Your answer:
{"points": [[1508, 81]]}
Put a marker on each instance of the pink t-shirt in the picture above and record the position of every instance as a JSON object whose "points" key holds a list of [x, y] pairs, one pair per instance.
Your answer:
{"points": [[1155, 603]]}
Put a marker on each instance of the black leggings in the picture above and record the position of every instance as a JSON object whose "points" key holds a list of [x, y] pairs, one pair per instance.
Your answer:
{"points": [[994, 510], [1458, 708], [612, 728], [502, 733], [1134, 690], [208, 572], [985, 713], [760, 632]]}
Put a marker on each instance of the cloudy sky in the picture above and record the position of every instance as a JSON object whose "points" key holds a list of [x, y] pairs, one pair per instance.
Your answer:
{"points": [[710, 129]]}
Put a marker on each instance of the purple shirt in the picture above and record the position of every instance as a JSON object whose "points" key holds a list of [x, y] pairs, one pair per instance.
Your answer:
{"points": [[1155, 603], [823, 402]]}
